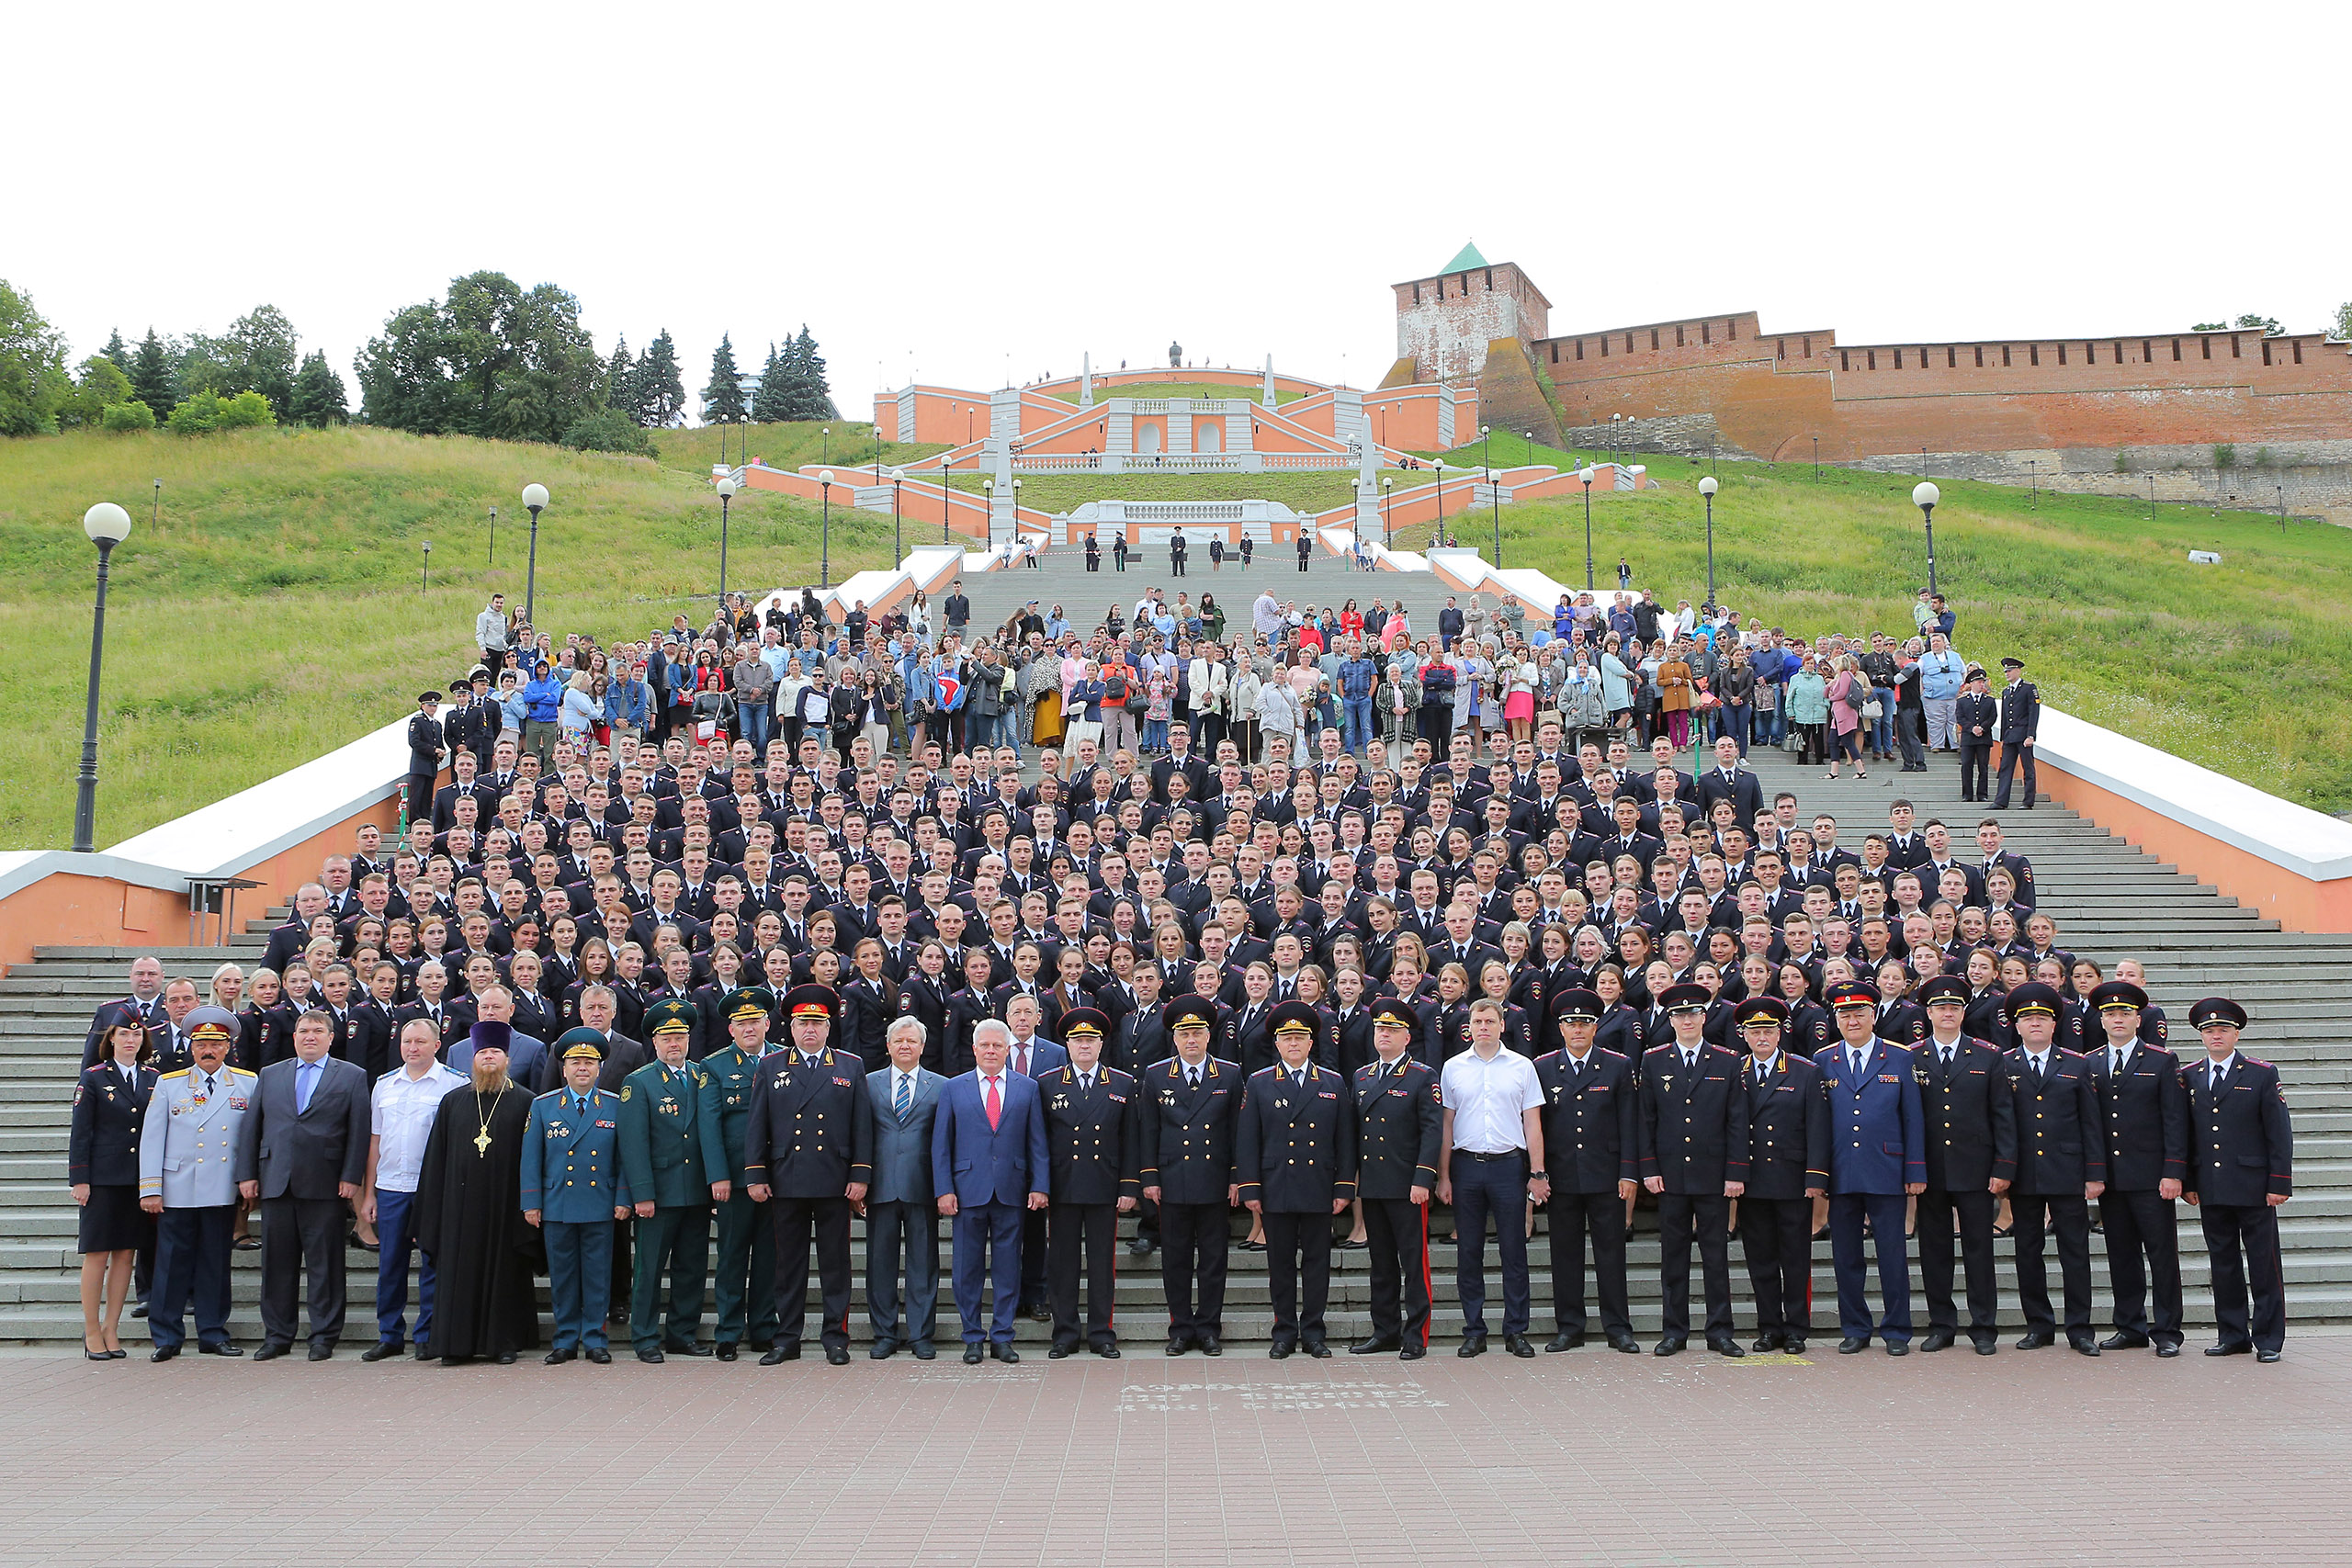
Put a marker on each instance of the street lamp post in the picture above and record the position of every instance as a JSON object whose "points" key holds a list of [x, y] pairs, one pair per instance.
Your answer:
{"points": [[1707, 489], [108, 525], [534, 497], [825, 563], [156, 508], [1440, 500], [946, 461], [1486, 447], [1013, 522], [1925, 496], [824, 444], [493, 536], [898, 544], [726, 488], [424, 583], [1816, 460], [2033, 482], [1388, 513], [1585, 478], [1495, 497]]}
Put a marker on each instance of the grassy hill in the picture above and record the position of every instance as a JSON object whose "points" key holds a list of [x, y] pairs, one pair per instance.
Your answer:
{"points": [[1066, 492], [269, 607], [2242, 667]]}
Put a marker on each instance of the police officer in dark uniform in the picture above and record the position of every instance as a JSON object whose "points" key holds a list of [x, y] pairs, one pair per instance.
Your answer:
{"points": [[1693, 1153], [1788, 1168], [1191, 1102], [2144, 1108], [1971, 1121], [1295, 1151], [809, 1153], [426, 747], [2020, 721], [1091, 1141], [744, 1294], [1976, 719], [2059, 1167], [1399, 1118], [1593, 1150], [2241, 1167]]}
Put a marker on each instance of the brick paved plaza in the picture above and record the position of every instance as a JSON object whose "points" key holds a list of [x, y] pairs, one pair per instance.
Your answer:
{"points": [[1589, 1457]]}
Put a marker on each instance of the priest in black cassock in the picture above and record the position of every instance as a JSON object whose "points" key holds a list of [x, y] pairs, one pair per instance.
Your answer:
{"points": [[470, 1214]]}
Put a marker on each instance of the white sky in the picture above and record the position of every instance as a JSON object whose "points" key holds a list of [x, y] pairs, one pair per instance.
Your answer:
{"points": [[934, 187]]}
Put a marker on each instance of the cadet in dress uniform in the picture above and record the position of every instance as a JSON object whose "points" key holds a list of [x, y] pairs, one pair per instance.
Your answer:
{"points": [[1972, 1118], [2060, 1166], [1976, 720], [662, 1153], [744, 1295], [1296, 1154], [1193, 1102], [1788, 1168], [1694, 1152], [2020, 721], [1400, 1119], [1092, 1146], [187, 1173], [2144, 1110], [1592, 1147], [573, 1189], [2241, 1167], [809, 1153], [1878, 1152]]}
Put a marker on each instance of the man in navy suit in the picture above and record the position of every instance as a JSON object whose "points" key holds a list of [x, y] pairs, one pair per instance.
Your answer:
{"points": [[900, 1217], [1031, 1054], [987, 1149], [1878, 1152]]}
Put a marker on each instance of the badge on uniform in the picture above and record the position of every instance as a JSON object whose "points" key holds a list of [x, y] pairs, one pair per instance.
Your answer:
{"points": [[843, 1083], [1325, 1094], [607, 1126], [1889, 1078], [625, 1094]]}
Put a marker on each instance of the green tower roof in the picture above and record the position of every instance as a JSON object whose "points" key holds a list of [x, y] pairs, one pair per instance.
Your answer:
{"points": [[1468, 258]]}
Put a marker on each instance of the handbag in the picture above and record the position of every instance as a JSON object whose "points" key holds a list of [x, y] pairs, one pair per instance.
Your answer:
{"points": [[1873, 710]]}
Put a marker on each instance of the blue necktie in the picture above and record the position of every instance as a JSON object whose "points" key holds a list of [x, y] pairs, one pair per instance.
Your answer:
{"points": [[305, 1077], [905, 1097]]}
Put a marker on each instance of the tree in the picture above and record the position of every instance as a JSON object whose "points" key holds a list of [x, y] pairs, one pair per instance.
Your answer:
{"points": [[492, 359], [814, 396], [151, 373], [620, 378], [102, 384], [116, 350], [2269, 324], [608, 430], [660, 391], [33, 383], [722, 400], [318, 399], [2343, 320], [771, 401], [246, 410]]}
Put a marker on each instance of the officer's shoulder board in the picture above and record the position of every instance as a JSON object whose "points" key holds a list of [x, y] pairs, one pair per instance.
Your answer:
{"points": [[169, 1076], [552, 1094]]}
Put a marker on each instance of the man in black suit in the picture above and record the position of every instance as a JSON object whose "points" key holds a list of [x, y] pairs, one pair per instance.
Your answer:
{"points": [[809, 1145], [2145, 1111], [426, 747], [1976, 719], [1398, 1121], [1179, 759], [1729, 780], [2241, 1169], [2060, 1167], [302, 1151], [1970, 1117], [2020, 721], [1593, 1149], [1693, 1129], [1788, 1169], [1191, 1103]]}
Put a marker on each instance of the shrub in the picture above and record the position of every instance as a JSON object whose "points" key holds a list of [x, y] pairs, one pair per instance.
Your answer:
{"points": [[607, 430], [197, 416], [132, 415], [246, 410], [2225, 456]]}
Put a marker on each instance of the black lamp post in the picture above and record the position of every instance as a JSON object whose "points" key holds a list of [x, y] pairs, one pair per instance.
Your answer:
{"points": [[1816, 460], [1584, 477], [425, 583], [824, 444], [108, 525], [1925, 496], [1441, 500], [1707, 489], [534, 499], [493, 536], [156, 508], [726, 488], [1495, 495], [825, 567], [1388, 513], [2033, 482], [898, 544], [946, 498]]}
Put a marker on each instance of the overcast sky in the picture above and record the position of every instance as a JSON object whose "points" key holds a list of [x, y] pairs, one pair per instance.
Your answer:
{"points": [[965, 192]]}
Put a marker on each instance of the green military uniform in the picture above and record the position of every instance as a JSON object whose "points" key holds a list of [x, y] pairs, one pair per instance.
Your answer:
{"points": [[662, 1151], [744, 1295]]}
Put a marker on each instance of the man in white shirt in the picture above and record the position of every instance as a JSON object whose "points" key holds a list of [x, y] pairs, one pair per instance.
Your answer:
{"points": [[1490, 1159], [401, 1111]]}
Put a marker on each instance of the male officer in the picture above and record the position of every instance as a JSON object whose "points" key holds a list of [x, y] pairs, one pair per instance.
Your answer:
{"points": [[2145, 1110], [1296, 1154], [1971, 1121], [661, 1154], [573, 1189], [744, 1297], [2020, 721], [1593, 1148], [1399, 1118], [2061, 1164], [1976, 718], [2241, 1167], [1788, 1168], [1092, 1154], [809, 1145], [188, 1175], [425, 749], [1191, 1103], [1693, 1153], [901, 1215], [1878, 1152]]}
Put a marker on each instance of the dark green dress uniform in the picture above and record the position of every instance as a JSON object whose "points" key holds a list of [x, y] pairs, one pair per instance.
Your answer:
{"points": [[1094, 1158], [662, 1152], [1972, 1119], [1186, 1151], [743, 1296], [1788, 1161], [1400, 1120], [2060, 1151], [2145, 1111], [573, 1176], [2242, 1153], [1590, 1144], [1295, 1151]]}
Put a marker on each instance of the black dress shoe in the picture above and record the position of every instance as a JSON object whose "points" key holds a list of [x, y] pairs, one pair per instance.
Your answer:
{"points": [[1249, 1247], [725, 1352], [2229, 1349], [226, 1347], [2123, 1339], [1726, 1346], [1850, 1346], [924, 1350], [1004, 1353], [2086, 1346], [1670, 1345], [2167, 1350], [1108, 1352], [1563, 1340], [1625, 1344], [322, 1352], [1898, 1347], [1411, 1353], [558, 1357], [2036, 1340], [1142, 1246], [972, 1354], [1374, 1345], [1059, 1352], [1471, 1345], [382, 1350], [1211, 1344], [2266, 1357], [1316, 1348], [881, 1351], [1764, 1342], [424, 1352], [163, 1353], [598, 1356], [762, 1346], [1936, 1339], [692, 1347], [1518, 1345], [504, 1357], [139, 1311], [651, 1357], [1350, 1245], [1177, 1345], [1792, 1345], [780, 1354], [1280, 1350], [837, 1355], [1041, 1313], [269, 1352], [1989, 1346]]}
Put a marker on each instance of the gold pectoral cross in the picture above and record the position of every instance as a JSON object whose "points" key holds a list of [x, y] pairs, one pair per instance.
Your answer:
{"points": [[481, 1143]]}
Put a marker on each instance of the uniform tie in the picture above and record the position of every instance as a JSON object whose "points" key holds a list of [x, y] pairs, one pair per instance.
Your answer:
{"points": [[1854, 1061]]}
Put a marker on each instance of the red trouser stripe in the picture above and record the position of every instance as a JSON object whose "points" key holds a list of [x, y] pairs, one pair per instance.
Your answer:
{"points": [[1425, 1274]]}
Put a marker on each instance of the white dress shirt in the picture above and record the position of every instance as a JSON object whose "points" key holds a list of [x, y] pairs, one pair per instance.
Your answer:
{"points": [[400, 1111], [1487, 1096]]}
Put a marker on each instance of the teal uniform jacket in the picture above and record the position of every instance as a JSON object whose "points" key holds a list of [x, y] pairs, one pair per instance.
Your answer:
{"points": [[661, 1135], [723, 1105], [572, 1164]]}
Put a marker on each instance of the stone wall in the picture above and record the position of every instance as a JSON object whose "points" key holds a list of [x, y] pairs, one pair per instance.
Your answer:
{"points": [[2308, 478], [1443, 324]]}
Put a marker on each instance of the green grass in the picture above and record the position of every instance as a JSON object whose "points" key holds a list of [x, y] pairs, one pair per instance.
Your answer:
{"points": [[1066, 492], [2242, 668], [850, 445], [273, 611], [1249, 393]]}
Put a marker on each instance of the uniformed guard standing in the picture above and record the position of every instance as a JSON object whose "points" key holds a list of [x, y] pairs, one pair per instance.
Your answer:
{"points": [[2061, 1164], [662, 1153], [1972, 1119], [573, 1189], [1094, 1156], [1878, 1152], [1296, 1149], [1976, 719], [1694, 1152], [187, 1173], [2241, 1167], [2020, 722], [1399, 1118], [808, 1153], [1788, 1168], [744, 1295], [1593, 1146], [1193, 1102], [2145, 1111]]}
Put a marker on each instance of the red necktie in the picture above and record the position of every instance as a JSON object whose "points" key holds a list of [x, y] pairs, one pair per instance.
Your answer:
{"points": [[995, 1105]]}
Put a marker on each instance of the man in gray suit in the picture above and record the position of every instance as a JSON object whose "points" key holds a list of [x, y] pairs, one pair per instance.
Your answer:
{"points": [[303, 1150], [898, 1208]]}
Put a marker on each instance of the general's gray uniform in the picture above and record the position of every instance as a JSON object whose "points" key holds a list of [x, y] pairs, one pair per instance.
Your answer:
{"points": [[187, 1156]]}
